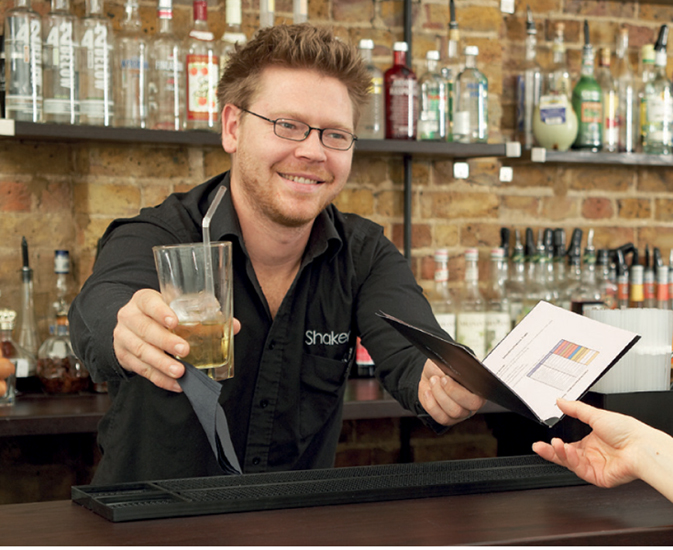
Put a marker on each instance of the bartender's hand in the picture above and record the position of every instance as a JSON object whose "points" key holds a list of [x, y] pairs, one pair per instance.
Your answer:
{"points": [[6, 370], [444, 399], [144, 342]]}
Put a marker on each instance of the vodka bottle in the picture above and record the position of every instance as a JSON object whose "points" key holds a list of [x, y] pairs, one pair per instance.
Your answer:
{"points": [[626, 95], [658, 99], [233, 32], [529, 87], [371, 124], [622, 280], [663, 299], [471, 317], [498, 321], [203, 66], [299, 11], [440, 298], [451, 66], [26, 333], [471, 118], [96, 66], [60, 59], [645, 76], [401, 94], [23, 64], [267, 13], [131, 103], [167, 75], [587, 102], [515, 285], [537, 288], [433, 119], [555, 121], [609, 89]]}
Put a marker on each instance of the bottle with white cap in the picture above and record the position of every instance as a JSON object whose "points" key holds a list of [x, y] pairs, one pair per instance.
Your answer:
{"points": [[401, 95], [471, 317], [498, 320], [371, 124], [440, 297], [470, 124], [434, 102]]}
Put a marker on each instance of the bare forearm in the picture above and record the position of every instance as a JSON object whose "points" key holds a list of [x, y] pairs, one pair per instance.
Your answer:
{"points": [[655, 461]]}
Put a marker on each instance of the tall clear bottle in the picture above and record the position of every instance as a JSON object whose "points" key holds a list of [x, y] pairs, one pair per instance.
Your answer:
{"points": [[645, 75], [433, 118], [23, 64], [26, 330], [498, 321], [574, 269], [371, 124], [608, 84], [626, 95], [529, 87], [12, 351], [167, 75], [555, 121], [401, 96], [471, 316], [587, 292], [588, 102], [515, 285], [470, 123], [537, 288], [607, 287], [60, 59], [233, 32], [440, 298], [452, 66], [658, 98], [203, 71], [62, 291], [131, 103], [96, 66]]}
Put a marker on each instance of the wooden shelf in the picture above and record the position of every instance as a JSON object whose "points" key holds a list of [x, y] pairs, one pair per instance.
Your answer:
{"points": [[546, 156]]}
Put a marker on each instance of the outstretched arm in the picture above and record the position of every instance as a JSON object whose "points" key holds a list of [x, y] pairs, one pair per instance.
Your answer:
{"points": [[618, 450]]}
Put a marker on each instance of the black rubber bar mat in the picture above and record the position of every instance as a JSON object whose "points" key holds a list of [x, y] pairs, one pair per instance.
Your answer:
{"points": [[269, 491]]}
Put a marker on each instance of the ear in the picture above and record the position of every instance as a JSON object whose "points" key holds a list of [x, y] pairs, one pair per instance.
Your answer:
{"points": [[230, 127]]}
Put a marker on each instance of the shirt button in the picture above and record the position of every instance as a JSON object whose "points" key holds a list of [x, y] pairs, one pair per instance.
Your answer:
{"points": [[264, 403], [256, 461]]}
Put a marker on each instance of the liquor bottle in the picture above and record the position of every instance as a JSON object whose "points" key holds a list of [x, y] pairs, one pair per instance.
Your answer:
{"points": [[3, 88], [233, 32], [622, 280], [371, 124], [670, 276], [606, 286], [649, 294], [471, 317], [58, 368], [658, 98], [548, 239], [663, 298], [12, 351], [587, 292], [363, 361], [574, 272], [646, 74], [515, 285], [26, 333], [96, 66], [299, 11], [536, 279], [23, 66], [626, 95], [61, 304], [587, 102], [558, 261], [203, 65], [609, 89], [433, 119], [401, 94], [529, 87], [451, 65], [166, 93], [498, 321], [440, 298], [470, 122], [131, 103], [267, 13], [60, 67], [636, 295], [554, 120]]}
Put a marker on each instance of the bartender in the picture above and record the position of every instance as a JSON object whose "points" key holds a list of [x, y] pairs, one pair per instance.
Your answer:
{"points": [[308, 280]]}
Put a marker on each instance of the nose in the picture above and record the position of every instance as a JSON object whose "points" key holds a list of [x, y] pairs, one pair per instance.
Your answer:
{"points": [[312, 147]]}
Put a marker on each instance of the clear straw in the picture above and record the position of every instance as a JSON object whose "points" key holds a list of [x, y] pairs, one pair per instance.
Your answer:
{"points": [[205, 224]]}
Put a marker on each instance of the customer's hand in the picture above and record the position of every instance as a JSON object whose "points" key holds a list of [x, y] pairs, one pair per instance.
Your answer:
{"points": [[6, 370], [144, 342], [444, 399]]}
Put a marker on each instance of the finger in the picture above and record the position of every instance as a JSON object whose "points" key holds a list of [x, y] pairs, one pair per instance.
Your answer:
{"points": [[460, 394], [152, 304], [445, 410], [237, 326], [6, 368], [545, 450], [3, 388], [150, 330]]}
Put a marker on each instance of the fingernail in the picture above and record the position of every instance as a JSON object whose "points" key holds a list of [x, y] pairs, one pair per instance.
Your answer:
{"points": [[169, 321], [174, 370], [433, 381], [445, 380], [180, 350]]}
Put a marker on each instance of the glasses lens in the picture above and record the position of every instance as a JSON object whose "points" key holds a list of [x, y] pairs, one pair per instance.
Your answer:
{"points": [[336, 139], [298, 131], [291, 129]]}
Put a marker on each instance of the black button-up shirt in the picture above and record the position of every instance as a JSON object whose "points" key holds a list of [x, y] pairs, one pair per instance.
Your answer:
{"points": [[285, 401]]}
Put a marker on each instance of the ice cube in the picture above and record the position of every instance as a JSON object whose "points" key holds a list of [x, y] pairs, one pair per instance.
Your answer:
{"points": [[191, 308]]}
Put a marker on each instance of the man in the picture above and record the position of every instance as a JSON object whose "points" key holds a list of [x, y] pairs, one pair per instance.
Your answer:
{"points": [[307, 281]]}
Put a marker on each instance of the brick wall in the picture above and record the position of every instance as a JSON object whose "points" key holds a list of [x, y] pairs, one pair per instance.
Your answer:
{"points": [[63, 195]]}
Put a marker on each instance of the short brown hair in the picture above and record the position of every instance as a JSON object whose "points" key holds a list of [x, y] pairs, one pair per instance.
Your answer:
{"points": [[302, 46]]}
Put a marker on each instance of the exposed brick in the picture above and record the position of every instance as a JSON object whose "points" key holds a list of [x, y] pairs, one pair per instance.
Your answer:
{"points": [[615, 8], [655, 179], [117, 200], [446, 235], [358, 201], [514, 205], [455, 205], [24, 157], [479, 235], [600, 177], [559, 208], [655, 236], [389, 203], [596, 208], [368, 169], [216, 161], [421, 235], [657, 13], [634, 208], [353, 10], [612, 237], [14, 197], [663, 209], [139, 161]]}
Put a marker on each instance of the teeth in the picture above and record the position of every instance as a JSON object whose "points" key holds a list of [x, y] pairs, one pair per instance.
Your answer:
{"points": [[299, 179]]}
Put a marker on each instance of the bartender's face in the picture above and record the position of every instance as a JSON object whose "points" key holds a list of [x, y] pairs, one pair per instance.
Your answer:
{"points": [[289, 182]]}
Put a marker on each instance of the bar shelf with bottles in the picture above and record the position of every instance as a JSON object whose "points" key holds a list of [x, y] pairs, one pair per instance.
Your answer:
{"points": [[549, 156]]}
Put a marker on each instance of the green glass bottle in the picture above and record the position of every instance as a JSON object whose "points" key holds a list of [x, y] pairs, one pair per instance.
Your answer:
{"points": [[587, 102], [658, 103]]}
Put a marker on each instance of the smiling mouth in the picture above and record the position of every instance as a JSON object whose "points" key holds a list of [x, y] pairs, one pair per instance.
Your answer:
{"points": [[300, 179]]}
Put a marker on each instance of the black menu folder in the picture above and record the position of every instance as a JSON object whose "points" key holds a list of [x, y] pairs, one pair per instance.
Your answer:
{"points": [[551, 353]]}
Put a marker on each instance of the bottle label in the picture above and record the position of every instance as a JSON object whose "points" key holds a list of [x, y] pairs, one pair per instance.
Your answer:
{"points": [[591, 112], [659, 109], [22, 366], [23, 43], [432, 120], [96, 51], [376, 87], [448, 322], [202, 80], [648, 290], [553, 110], [498, 325], [471, 331], [402, 115]]}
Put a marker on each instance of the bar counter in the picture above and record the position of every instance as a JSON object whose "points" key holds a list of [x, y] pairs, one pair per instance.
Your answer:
{"points": [[633, 514]]}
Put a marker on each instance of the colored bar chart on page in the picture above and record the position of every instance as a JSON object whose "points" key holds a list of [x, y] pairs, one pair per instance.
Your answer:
{"points": [[563, 365]]}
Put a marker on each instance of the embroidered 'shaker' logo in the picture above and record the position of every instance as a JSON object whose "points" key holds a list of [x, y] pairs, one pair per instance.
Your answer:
{"points": [[313, 337]]}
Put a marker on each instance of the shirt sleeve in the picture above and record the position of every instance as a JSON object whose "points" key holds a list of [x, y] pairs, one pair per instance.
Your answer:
{"points": [[387, 284]]}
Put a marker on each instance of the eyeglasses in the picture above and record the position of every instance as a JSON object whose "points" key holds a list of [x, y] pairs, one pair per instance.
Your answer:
{"points": [[332, 138]]}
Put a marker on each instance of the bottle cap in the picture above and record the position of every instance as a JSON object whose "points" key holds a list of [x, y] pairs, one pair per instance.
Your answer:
{"points": [[61, 261], [432, 55], [401, 47], [471, 50], [530, 24], [471, 254], [441, 255], [366, 44], [497, 253]]}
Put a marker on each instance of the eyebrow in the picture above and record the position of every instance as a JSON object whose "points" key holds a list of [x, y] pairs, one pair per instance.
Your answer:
{"points": [[298, 118]]}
